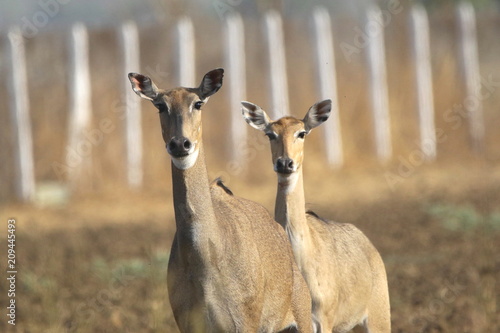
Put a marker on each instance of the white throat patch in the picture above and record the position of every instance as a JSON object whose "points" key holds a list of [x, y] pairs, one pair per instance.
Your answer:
{"points": [[186, 162], [288, 183]]}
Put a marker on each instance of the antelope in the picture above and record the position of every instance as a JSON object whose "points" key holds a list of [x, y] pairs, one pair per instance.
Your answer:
{"points": [[225, 272], [345, 273]]}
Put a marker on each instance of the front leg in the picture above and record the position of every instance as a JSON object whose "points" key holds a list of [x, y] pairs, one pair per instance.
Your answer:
{"points": [[189, 312]]}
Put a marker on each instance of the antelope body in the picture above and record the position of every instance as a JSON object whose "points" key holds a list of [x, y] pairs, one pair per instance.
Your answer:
{"points": [[226, 272], [345, 273]]}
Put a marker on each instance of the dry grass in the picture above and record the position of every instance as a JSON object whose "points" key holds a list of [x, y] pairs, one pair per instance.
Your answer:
{"points": [[99, 264]]}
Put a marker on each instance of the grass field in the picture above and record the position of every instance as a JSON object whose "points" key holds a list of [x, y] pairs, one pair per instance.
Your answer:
{"points": [[99, 265]]}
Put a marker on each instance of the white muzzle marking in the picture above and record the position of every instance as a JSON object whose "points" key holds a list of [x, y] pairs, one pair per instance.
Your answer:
{"points": [[188, 161], [288, 182]]}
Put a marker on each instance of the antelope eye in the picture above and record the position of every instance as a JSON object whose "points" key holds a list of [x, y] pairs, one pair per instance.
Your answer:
{"points": [[271, 135], [162, 107], [198, 105], [302, 135]]}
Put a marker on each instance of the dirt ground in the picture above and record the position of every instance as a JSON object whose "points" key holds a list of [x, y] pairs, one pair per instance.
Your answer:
{"points": [[99, 265]]}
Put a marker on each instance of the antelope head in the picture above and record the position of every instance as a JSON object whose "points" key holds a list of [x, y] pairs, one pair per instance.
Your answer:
{"points": [[180, 113], [287, 134]]}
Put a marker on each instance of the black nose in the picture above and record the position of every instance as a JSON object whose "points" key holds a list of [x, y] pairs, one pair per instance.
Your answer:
{"points": [[179, 147], [284, 165]]}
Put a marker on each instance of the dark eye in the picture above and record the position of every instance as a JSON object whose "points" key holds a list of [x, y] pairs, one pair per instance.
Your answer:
{"points": [[302, 134], [271, 135], [198, 105], [162, 107]]}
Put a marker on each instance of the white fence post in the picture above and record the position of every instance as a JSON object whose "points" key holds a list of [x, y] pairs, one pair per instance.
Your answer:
{"points": [[25, 184], [420, 30], [185, 39], [378, 82], [277, 64], [328, 84], [470, 62], [79, 151], [235, 59], [133, 128]]}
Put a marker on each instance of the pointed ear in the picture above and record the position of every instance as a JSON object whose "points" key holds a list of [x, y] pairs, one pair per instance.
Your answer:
{"points": [[317, 114], [143, 86], [255, 116], [211, 83]]}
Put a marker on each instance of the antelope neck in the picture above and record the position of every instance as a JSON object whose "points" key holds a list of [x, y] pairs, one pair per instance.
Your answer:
{"points": [[192, 200], [290, 205]]}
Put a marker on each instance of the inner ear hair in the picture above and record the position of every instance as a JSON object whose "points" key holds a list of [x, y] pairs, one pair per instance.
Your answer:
{"points": [[255, 116], [143, 86], [211, 83]]}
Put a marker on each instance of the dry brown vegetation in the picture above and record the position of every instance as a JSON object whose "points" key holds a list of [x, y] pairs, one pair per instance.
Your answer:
{"points": [[98, 263]]}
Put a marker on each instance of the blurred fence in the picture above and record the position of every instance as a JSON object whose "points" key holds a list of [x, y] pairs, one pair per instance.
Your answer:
{"points": [[277, 71]]}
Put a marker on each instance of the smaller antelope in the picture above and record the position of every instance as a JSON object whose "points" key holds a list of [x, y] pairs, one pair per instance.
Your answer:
{"points": [[345, 273]]}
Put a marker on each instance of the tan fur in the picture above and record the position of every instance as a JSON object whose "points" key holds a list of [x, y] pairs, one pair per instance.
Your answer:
{"points": [[227, 271], [344, 271]]}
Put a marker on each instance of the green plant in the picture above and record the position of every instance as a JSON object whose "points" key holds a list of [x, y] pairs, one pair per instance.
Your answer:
{"points": [[463, 218], [132, 267]]}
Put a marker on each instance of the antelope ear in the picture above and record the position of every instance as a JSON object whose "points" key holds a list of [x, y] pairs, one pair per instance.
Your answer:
{"points": [[317, 114], [143, 86], [255, 116], [211, 83]]}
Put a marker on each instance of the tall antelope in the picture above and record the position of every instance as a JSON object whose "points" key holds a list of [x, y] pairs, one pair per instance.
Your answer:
{"points": [[226, 272], [344, 271]]}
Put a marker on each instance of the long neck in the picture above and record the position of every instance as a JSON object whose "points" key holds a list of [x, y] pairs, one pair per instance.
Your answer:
{"points": [[192, 199], [290, 206]]}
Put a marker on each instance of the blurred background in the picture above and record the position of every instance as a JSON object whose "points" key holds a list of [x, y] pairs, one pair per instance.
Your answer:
{"points": [[410, 154]]}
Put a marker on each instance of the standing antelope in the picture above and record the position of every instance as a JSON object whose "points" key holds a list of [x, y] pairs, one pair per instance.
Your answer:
{"points": [[226, 272], [344, 271]]}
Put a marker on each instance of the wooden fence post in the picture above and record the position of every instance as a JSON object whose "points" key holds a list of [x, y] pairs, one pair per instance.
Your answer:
{"points": [[185, 38], [133, 123], [327, 74], [235, 59], [277, 64], [378, 83], [79, 149], [421, 48], [470, 62], [20, 109]]}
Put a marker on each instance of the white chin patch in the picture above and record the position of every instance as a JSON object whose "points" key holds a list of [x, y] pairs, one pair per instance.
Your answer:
{"points": [[288, 182], [186, 162]]}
